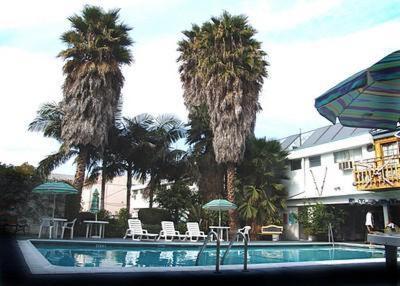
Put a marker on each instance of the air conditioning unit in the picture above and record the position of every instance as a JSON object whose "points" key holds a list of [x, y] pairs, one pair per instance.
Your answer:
{"points": [[348, 165]]}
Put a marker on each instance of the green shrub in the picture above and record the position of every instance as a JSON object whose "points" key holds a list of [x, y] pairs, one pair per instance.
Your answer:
{"points": [[153, 216], [316, 218], [152, 228]]}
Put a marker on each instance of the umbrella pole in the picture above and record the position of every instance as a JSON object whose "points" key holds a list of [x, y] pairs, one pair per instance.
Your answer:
{"points": [[219, 218]]}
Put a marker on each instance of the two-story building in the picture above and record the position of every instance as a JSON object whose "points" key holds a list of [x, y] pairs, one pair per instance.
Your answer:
{"points": [[354, 169]]}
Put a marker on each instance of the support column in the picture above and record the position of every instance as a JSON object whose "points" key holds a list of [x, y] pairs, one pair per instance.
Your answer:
{"points": [[385, 214], [391, 259]]}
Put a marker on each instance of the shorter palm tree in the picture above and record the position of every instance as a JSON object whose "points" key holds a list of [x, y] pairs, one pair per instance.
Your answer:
{"points": [[261, 193]]}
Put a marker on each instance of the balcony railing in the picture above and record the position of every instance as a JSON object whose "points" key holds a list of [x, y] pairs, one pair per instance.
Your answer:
{"points": [[376, 174]]}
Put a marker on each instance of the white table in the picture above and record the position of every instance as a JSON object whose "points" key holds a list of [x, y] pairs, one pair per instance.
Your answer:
{"points": [[391, 241], [220, 230], [56, 222], [101, 228]]}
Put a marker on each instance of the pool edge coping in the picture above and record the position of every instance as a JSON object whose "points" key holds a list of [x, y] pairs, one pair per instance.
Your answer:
{"points": [[39, 265]]}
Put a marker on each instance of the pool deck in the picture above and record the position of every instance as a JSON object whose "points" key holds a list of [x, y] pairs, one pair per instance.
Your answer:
{"points": [[15, 271]]}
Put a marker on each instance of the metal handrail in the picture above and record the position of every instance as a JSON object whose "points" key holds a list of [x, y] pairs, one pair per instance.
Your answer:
{"points": [[330, 234], [245, 242], [217, 262]]}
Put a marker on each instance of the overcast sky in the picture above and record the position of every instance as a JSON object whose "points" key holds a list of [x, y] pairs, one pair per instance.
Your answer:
{"points": [[311, 46]]}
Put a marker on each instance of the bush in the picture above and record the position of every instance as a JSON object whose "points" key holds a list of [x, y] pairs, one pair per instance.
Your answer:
{"points": [[152, 228], [153, 216], [316, 218]]}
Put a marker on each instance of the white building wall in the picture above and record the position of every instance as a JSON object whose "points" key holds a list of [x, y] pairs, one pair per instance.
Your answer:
{"points": [[301, 183], [115, 195]]}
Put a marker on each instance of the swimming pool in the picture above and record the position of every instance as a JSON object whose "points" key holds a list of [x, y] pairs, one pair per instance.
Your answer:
{"points": [[95, 255]]}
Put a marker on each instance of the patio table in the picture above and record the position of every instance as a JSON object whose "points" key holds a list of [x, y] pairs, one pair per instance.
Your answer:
{"points": [[101, 228], [391, 241], [220, 230], [57, 222]]}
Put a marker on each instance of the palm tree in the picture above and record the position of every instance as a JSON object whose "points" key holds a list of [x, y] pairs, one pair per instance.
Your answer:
{"points": [[164, 161], [133, 148], [209, 174], [223, 66], [48, 120], [261, 194], [97, 46]]}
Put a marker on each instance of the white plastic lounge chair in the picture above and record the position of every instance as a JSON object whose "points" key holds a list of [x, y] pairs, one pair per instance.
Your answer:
{"points": [[246, 232], [135, 230], [46, 223], [193, 231], [68, 225], [168, 231]]}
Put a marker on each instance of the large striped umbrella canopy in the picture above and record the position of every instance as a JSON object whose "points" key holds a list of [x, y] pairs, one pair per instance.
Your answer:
{"points": [[55, 188], [94, 206], [368, 99], [219, 205]]}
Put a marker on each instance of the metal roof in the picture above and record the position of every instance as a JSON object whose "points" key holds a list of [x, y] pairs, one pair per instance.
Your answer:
{"points": [[320, 136]]}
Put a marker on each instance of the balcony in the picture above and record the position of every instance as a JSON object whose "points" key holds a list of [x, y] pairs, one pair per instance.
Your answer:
{"points": [[377, 174]]}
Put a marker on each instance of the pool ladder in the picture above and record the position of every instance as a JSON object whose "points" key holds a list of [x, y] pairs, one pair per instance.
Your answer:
{"points": [[330, 234], [219, 262]]}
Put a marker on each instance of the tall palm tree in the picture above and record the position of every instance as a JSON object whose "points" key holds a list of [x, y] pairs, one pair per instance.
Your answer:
{"points": [[223, 66], [97, 46]]}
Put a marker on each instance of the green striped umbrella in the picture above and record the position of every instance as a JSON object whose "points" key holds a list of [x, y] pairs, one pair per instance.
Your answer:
{"points": [[55, 188], [94, 206], [219, 205], [368, 99]]}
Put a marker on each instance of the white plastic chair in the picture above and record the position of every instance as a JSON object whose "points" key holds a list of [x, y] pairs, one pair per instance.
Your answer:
{"points": [[168, 230], [135, 229], [193, 231], [245, 231], [68, 225], [46, 223]]}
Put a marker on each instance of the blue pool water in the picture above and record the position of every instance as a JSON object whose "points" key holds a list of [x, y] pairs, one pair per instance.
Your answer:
{"points": [[86, 255]]}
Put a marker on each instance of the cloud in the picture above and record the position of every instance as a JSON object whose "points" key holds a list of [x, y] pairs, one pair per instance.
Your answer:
{"points": [[152, 82], [265, 18], [299, 72], [27, 80], [18, 14], [302, 71]]}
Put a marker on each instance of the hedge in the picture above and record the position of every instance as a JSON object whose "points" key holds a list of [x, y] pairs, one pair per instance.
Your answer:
{"points": [[153, 216]]}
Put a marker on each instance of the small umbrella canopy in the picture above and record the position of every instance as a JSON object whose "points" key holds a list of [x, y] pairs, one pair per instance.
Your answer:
{"points": [[219, 205], [94, 206], [55, 188], [368, 99]]}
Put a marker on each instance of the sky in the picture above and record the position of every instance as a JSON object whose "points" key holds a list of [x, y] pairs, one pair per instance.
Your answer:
{"points": [[311, 46]]}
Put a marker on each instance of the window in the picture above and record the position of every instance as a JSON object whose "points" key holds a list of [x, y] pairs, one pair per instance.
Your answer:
{"points": [[390, 152], [348, 155], [314, 161], [295, 164]]}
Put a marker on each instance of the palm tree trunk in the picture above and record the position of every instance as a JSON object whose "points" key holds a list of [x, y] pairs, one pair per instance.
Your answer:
{"points": [[211, 181], [151, 197], [74, 202], [128, 187], [152, 185], [230, 184]]}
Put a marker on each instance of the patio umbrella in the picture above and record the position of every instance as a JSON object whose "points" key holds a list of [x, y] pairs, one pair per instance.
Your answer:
{"points": [[94, 205], [219, 205], [368, 99], [55, 188]]}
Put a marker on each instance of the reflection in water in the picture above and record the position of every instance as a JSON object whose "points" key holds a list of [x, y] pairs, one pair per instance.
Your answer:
{"points": [[119, 256]]}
